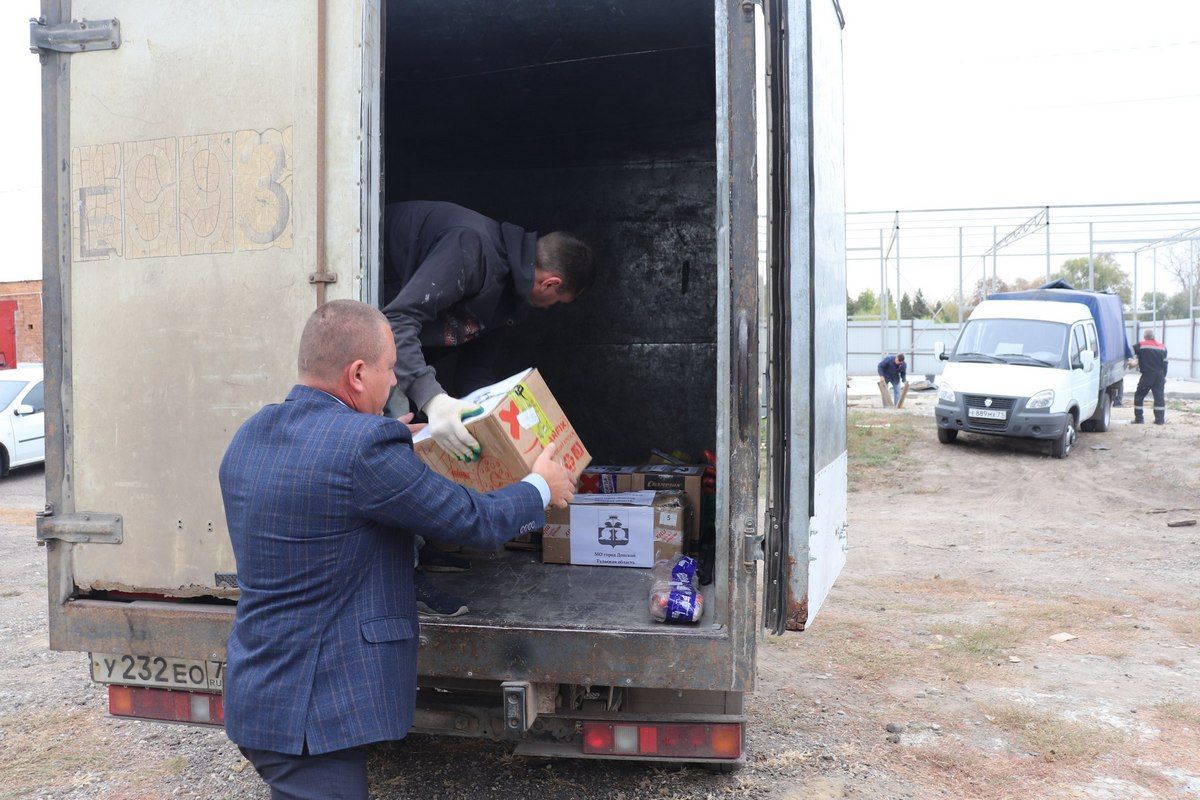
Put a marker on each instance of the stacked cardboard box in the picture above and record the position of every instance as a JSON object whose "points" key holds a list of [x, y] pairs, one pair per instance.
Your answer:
{"points": [[606, 480], [634, 529], [666, 477]]}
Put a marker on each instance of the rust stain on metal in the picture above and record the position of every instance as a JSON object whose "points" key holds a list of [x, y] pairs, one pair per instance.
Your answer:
{"points": [[184, 630], [797, 612]]}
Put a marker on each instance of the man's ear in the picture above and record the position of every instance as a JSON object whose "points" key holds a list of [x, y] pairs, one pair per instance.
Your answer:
{"points": [[355, 373], [551, 282]]}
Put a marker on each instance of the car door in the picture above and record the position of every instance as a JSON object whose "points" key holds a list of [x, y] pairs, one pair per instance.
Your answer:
{"points": [[29, 429], [1083, 381]]}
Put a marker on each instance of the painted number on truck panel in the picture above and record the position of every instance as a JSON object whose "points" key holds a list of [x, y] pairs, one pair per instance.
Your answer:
{"points": [[188, 195], [263, 189]]}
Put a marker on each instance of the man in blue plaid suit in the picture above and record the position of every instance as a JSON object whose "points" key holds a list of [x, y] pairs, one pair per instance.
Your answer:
{"points": [[323, 496]]}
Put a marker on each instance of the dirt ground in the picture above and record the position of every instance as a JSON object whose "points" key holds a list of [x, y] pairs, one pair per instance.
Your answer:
{"points": [[935, 668]]}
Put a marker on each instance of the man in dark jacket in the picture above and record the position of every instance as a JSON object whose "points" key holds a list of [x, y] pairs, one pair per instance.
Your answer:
{"points": [[1152, 361], [895, 372], [453, 279], [323, 496]]}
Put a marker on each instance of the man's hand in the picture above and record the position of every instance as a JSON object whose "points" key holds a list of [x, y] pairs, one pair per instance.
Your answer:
{"points": [[446, 417], [408, 423], [562, 488]]}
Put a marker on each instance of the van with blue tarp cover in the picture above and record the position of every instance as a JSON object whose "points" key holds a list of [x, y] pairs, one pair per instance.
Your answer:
{"points": [[1041, 364]]}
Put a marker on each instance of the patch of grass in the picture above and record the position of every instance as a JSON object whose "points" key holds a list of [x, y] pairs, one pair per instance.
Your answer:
{"points": [[1072, 609], [950, 588], [982, 641], [1187, 627], [1180, 711], [17, 516], [873, 447], [24, 766], [1050, 736]]}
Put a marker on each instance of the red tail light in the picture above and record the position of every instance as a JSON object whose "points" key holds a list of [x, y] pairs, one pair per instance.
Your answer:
{"points": [[667, 739], [133, 701]]}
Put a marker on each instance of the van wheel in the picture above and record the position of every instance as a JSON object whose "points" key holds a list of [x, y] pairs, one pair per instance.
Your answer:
{"points": [[1061, 447], [947, 435], [3, 462]]}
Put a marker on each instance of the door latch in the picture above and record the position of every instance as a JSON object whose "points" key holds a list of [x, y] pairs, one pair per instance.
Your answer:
{"points": [[752, 543], [76, 36], [82, 527]]}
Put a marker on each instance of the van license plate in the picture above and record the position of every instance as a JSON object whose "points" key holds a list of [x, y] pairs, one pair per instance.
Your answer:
{"points": [[162, 671], [987, 413]]}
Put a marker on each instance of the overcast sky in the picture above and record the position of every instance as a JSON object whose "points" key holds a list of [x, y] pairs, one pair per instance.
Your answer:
{"points": [[948, 103], [953, 103]]}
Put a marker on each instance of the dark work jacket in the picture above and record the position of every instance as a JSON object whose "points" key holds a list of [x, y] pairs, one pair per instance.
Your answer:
{"points": [[450, 275], [890, 371], [1152, 357]]}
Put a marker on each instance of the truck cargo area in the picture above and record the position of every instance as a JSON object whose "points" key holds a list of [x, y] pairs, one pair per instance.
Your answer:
{"points": [[598, 118]]}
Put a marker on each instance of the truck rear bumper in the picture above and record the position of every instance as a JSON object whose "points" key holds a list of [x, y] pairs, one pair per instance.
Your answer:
{"points": [[1020, 423]]}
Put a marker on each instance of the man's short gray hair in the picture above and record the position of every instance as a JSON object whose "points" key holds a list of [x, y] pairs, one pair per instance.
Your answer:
{"points": [[337, 334], [1148, 335]]}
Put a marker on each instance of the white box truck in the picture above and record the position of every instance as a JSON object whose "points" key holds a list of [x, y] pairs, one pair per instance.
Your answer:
{"points": [[215, 171], [1042, 364]]}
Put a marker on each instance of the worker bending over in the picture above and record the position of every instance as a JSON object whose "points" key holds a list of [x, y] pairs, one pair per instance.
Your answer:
{"points": [[894, 371]]}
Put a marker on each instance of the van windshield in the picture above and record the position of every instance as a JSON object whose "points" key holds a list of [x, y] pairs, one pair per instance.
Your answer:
{"points": [[1012, 341]]}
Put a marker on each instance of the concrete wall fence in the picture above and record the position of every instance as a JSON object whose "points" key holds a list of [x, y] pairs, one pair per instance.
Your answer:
{"points": [[915, 338]]}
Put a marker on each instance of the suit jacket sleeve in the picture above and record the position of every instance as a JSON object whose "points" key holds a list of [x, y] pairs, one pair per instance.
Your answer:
{"points": [[392, 486], [452, 271]]}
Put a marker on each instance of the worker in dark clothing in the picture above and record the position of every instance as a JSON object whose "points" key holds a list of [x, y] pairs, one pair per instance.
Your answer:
{"points": [[1152, 361], [895, 372], [454, 281]]}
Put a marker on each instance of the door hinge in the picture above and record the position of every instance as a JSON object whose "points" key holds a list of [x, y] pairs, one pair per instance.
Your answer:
{"points": [[752, 543], [322, 277], [79, 527], [76, 36]]}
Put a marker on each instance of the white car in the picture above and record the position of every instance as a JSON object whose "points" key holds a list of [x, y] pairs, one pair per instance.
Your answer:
{"points": [[23, 418]]}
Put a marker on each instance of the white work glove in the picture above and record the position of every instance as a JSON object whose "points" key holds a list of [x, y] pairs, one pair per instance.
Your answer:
{"points": [[446, 426]]}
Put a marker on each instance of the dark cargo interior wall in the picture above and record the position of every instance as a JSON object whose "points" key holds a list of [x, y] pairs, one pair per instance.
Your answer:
{"points": [[594, 117]]}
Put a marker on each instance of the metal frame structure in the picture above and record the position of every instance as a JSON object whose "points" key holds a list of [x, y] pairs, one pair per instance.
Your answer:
{"points": [[966, 239]]}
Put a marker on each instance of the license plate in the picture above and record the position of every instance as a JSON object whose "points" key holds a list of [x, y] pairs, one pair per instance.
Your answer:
{"points": [[161, 671], [987, 413]]}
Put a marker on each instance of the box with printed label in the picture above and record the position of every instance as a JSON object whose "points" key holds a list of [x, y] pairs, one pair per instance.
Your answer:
{"points": [[606, 480], [670, 478], [634, 529], [520, 417]]}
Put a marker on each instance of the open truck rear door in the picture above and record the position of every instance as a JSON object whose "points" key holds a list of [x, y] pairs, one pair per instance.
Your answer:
{"points": [[186, 151], [805, 543]]}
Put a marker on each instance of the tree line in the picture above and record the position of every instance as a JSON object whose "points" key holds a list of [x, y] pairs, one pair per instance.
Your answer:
{"points": [[1110, 277]]}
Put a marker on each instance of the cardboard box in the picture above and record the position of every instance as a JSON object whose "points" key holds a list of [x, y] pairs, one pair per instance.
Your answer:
{"points": [[520, 417], [668, 478], [634, 529], [606, 480]]}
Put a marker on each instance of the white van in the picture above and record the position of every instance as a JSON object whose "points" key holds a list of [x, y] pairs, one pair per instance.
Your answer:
{"points": [[1026, 368]]}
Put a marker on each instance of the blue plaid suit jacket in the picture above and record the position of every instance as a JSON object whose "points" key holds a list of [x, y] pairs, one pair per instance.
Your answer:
{"points": [[322, 503]]}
